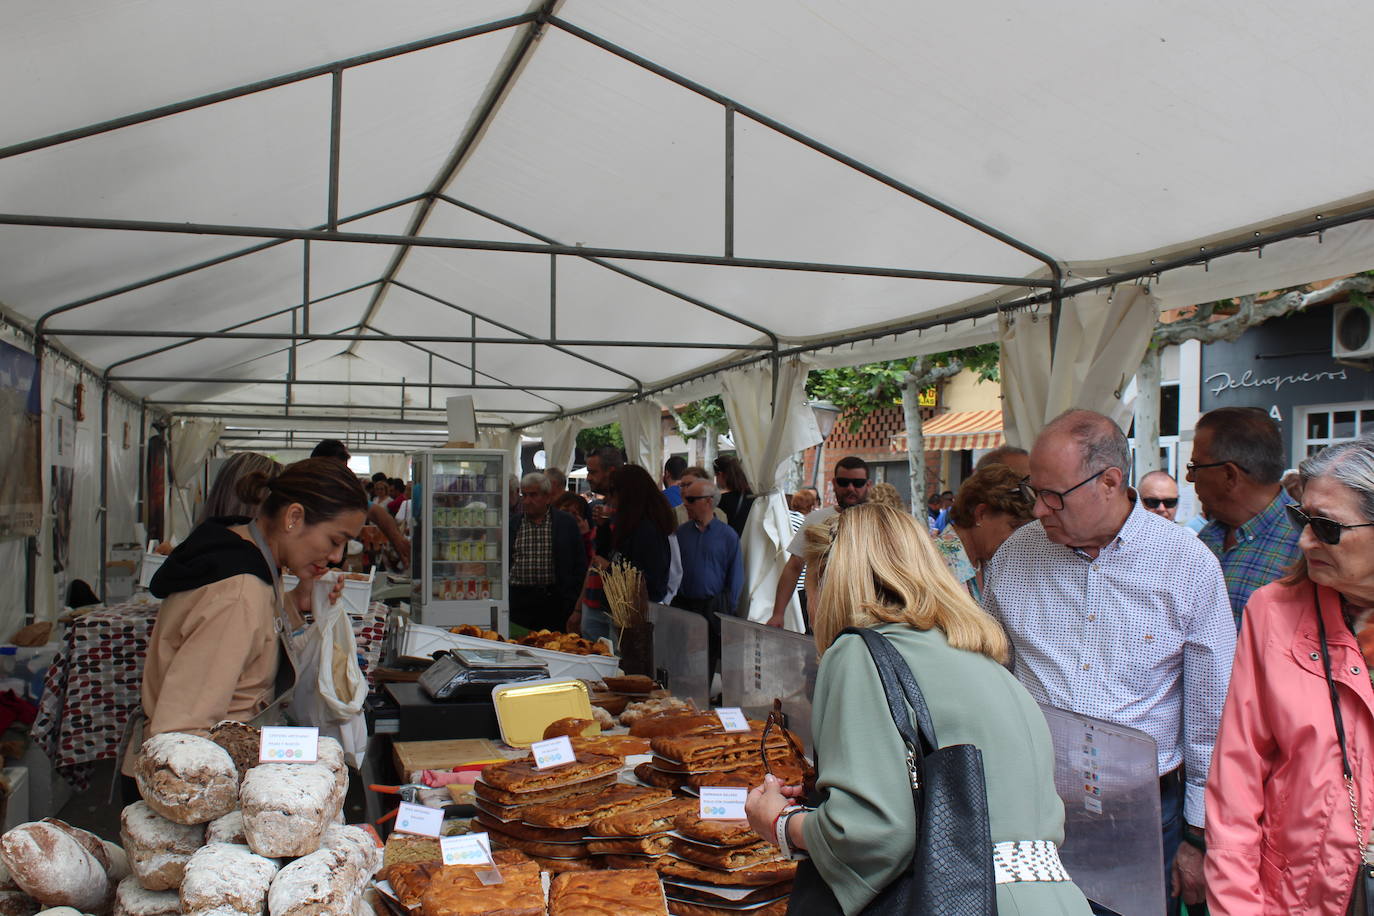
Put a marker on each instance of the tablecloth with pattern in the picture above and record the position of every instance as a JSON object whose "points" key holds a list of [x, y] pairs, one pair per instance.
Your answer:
{"points": [[94, 683]]}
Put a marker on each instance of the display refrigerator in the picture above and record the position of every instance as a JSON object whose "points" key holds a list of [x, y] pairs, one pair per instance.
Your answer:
{"points": [[460, 569]]}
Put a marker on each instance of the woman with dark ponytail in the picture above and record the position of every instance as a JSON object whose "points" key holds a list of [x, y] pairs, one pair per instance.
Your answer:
{"points": [[216, 649]]}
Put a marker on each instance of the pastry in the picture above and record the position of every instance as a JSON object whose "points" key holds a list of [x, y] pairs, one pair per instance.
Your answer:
{"points": [[158, 849], [644, 821], [630, 683], [636, 711], [692, 748], [726, 857], [650, 775], [579, 812], [186, 778], [224, 875], [538, 847], [677, 723], [632, 846], [455, 890], [286, 807], [747, 777], [49, 865], [242, 741], [401, 847], [752, 876], [519, 776], [503, 798], [620, 746], [526, 832], [410, 880], [570, 726], [683, 908], [133, 899], [602, 717], [626, 892], [718, 833], [559, 866], [756, 895]]}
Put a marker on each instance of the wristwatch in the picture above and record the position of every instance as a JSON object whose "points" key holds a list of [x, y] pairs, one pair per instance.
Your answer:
{"points": [[784, 818]]}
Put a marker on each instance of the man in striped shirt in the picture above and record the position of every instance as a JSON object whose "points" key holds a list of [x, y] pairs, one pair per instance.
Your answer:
{"points": [[1236, 468]]}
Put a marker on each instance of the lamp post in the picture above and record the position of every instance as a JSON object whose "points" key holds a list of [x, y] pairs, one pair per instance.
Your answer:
{"points": [[826, 415]]}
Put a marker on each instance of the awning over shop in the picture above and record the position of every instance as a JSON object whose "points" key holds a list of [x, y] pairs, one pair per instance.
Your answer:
{"points": [[964, 429]]}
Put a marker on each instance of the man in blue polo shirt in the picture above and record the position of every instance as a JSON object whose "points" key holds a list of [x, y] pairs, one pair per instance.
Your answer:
{"points": [[712, 566]]}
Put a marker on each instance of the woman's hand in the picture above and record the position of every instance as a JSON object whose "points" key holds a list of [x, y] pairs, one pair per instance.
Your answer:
{"points": [[600, 563], [766, 802]]}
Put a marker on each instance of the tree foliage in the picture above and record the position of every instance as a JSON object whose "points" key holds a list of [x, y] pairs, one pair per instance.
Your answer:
{"points": [[699, 416], [860, 390], [593, 437]]}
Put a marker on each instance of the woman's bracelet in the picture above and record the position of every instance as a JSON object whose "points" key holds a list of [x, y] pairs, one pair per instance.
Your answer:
{"points": [[779, 839], [784, 819]]}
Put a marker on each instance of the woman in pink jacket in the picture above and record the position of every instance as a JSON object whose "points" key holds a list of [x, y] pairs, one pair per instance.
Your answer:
{"points": [[1290, 799]]}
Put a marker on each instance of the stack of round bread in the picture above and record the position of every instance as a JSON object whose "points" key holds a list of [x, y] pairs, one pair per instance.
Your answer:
{"points": [[206, 840]]}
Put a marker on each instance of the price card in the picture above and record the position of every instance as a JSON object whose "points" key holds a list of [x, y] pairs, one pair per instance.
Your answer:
{"points": [[473, 849], [552, 753], [419, 820], [721, 804], [732, 719], [281, 744]]}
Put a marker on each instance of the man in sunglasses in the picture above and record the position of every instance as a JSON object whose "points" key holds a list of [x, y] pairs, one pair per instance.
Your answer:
{"points": [[1116, 613], [851, 485], [1159, 494], [1236, 469], [712, 565]]}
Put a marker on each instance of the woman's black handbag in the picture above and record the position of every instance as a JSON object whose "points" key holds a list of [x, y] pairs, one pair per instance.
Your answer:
{"points": [[951, 871]]}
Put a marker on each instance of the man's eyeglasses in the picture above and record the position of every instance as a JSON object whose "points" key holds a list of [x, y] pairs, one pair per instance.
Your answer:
{"points": [[692, 499], [1054, 499], [1326, 530], [850, 481], [1154, 502], [1212, 464]]}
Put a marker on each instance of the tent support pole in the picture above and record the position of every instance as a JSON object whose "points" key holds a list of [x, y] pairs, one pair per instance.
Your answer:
{"points": [[358, 383], [729, 181], [553, 297], [615, 268], [472, 348], [429, 402], [291, 362], [305, 285], [142, 457], [104, 507], [523, 340], [335, 129]]}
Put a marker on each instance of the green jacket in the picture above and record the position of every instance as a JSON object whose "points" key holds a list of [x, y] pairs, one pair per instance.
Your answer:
{"points": [[861, 837]]}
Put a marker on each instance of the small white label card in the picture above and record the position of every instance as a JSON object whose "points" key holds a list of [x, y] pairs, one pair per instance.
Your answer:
{"points": [[553, 753], [472, 849], [722, 804], [732, 719], [281, 744], [419, 820]]}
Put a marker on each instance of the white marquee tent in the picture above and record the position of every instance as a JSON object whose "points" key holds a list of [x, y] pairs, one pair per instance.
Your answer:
{"points": [[309, 218]]}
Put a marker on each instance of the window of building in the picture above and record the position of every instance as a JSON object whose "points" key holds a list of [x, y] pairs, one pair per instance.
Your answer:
{"points": [[1328, 424]]}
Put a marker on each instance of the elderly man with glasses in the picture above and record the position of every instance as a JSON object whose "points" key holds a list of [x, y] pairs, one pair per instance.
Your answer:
{"points": [[1236, 470], [712, 564], [1116, 613]]}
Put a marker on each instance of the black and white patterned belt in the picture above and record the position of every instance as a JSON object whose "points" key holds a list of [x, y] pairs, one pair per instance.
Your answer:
{"points": [[1027, 860]]}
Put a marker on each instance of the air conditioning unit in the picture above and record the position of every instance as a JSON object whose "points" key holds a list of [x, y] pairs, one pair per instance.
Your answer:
{"points": [[1352, 332]]}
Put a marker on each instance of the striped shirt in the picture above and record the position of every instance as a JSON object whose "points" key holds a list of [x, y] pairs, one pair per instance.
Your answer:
{"points": [[1138, 635], [1265, 547]]}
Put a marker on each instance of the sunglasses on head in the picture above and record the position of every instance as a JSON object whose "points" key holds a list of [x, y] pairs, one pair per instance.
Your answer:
{"points": [[1326, 530], [1154, 502], [850, 481]]}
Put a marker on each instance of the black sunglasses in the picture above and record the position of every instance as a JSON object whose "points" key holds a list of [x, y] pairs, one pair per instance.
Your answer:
{"points": [[850, 481], [1326, 530], [692, 499], [1054, 499], [1213, 464], [1154, 502]]}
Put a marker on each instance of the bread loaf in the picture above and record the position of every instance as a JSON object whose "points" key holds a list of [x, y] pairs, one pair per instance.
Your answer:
{"points": [[223, 876], [186, 778], [331, 755], [61, 911], [323, 883], [89, 841], [132, 899], [119, 862], [361, 848], [286, 807], [242, 741], [227, 829], [50, 866], [158, 848]]}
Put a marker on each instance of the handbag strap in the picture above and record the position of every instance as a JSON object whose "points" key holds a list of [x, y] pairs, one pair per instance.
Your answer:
{"points": [[901, 691], [1365, 852]]}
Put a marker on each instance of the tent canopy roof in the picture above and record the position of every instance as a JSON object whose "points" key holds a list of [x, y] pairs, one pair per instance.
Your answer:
{"points": [[353, 207]]}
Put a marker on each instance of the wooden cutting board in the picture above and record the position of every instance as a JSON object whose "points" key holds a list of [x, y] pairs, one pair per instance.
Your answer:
{"points": [[411, 756]]}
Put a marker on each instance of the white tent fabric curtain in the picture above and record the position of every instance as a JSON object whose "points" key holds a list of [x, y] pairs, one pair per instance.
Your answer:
{"points": [[505, 440], [1102, 338], [192, 442], [392, 465], [767, 431], [641, 424], [560, 443]]}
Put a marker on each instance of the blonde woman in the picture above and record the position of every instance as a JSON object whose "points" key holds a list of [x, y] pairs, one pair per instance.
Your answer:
{"points": [[877, 568]]}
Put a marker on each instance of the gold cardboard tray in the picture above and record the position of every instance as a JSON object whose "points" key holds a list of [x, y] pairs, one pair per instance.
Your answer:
{"points": [[524, 709]]}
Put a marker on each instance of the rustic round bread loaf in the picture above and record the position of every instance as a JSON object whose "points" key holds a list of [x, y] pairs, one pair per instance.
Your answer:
{"points": [[241, 740], [286, 807], [50, 866], [132, 899], [226, 876], [186, 778], [227, 829], [158, 849]]}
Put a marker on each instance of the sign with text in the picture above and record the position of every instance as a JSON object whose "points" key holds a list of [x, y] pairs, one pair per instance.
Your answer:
{"points": [[419, 820], [722, 804], [472, 849], [282, 744], [552, 753], [732, 719]]}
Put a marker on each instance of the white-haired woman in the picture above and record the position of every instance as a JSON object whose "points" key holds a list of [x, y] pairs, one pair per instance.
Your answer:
{"points": [[1290, 799], [879, 569]]}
